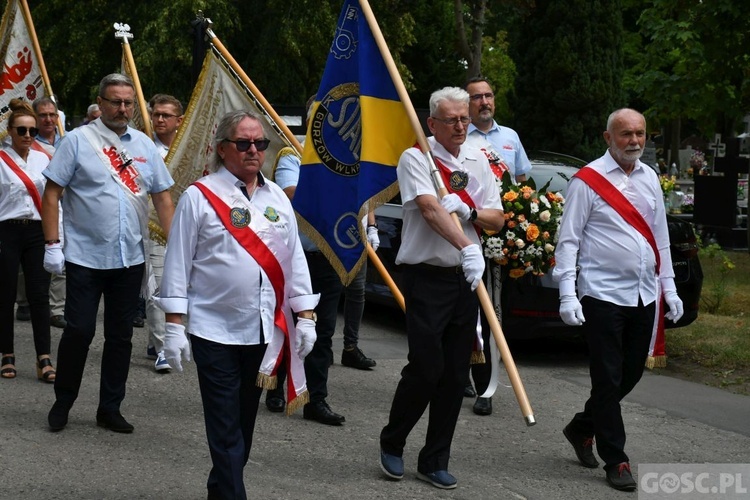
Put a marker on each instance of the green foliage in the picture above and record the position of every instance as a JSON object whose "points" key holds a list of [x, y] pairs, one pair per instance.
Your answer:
{"points": [[570, 64], [500, 69], [715, 286]]}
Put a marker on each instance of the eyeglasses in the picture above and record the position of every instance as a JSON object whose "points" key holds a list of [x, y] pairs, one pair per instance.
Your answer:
{"points": [[243, 145], [478, 97], [31, 130], [47, 116], [162, 116], [117, 104], [451, 122]]}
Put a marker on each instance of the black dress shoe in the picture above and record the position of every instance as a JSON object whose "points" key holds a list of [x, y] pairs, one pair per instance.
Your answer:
{"points": [[114, 422], [275, 404], [58, 416], [583, 446], [58, 321], [483, 406], [355, 358], [620, 478], [469, 391], [138, 321], [23, 313], [321, 412]]}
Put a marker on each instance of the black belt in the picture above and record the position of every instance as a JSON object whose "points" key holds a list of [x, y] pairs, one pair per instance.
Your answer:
{"points": [[22, 222], [438, 269]]}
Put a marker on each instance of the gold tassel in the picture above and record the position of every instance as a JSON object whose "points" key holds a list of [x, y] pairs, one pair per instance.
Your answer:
{"points": [[656, 362], [477, 358], [298, 402], [267, 382]]}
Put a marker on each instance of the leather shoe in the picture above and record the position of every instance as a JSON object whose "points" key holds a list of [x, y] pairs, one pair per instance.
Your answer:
{"points": [[275, 404], [440, 479], [58, 416], [58, 321], [583, 446], [620, 478], [469, 391], [113, 421], [391, 465], [483, 406], [355, 358], [321, 412], [23, 313]]}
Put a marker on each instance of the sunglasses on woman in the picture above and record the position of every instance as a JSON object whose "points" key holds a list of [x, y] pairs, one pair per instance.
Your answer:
{"points": [[31, 130]]}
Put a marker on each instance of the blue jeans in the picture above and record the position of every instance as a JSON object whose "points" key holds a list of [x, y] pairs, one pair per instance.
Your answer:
{"points": [[85, 288]]}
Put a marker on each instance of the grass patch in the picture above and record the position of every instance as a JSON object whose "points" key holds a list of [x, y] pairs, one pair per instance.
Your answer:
{"points": [[715, 349]]}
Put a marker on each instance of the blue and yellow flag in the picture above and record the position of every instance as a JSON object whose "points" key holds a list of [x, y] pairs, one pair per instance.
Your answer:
{"points": [[357, 130]]}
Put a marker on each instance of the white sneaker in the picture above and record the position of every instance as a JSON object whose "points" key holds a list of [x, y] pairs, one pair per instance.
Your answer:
{"points": [[161, 365]]}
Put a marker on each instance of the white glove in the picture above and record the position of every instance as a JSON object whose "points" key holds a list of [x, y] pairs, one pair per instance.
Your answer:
{"points": [[472, 262], [571, 311], [372, 237], [176, 345], [452, 203], [675, 305], [54, 260], [306, 336]]}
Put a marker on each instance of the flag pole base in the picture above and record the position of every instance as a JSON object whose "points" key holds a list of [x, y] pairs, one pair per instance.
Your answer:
{"points": [[530, 420]]}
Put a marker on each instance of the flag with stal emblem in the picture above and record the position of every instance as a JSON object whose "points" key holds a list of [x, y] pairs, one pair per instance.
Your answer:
{"points": [[358, 129], [21, 74]]}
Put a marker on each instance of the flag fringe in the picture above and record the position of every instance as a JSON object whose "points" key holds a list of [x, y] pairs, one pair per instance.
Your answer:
{"points": [[301, 400], [267, 382]]}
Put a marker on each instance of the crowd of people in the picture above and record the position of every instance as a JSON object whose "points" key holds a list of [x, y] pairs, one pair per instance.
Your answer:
{"points": [[254, 304]]}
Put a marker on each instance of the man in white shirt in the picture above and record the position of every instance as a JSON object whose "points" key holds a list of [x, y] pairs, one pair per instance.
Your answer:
{"points": [[166, 117], [236, 266], [614, 229], [442, 266]]}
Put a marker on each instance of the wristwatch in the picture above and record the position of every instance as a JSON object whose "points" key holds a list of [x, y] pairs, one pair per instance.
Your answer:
{"points": [[473, 215], [313, 316]]}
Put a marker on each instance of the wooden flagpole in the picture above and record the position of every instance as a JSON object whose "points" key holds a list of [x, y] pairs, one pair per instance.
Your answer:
{"points": [[484, 298], [122, 31], [246, 80], [40, 60]]}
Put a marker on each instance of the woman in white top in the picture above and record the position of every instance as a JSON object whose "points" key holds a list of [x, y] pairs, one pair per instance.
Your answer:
{"points": [[22, 241]]}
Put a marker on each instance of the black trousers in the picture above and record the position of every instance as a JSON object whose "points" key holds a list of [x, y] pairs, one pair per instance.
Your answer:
{"points": [[441, 319], [226, 376], [327, 283], [84, 289], [22, 244], [618, 338]]}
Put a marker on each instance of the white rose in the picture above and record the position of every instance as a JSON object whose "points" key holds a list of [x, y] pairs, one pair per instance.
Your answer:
{"points": [[520, 243], [549, 248], [545, 216]]}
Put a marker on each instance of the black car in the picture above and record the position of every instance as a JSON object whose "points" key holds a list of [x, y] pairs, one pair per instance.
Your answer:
{"points": [[530, 305]]}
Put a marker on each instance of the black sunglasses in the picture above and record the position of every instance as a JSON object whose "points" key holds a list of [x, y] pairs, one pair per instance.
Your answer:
{"points": [[31, 130], [243, 145]]}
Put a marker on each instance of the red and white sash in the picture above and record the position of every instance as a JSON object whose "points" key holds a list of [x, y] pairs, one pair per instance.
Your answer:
{"points": [[121, 166], [30, 186], [263, 243], [609, 193]]}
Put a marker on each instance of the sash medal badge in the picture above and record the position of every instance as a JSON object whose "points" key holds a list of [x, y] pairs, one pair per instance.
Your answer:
{"points": [[459, 180], [240, 217]]}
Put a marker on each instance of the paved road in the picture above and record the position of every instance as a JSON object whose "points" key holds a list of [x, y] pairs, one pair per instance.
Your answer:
{"points": [[495, 457]]}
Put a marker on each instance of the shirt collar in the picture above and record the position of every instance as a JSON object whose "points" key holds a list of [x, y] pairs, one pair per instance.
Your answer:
{"points": [[472, 128], [229, 176], [611, 165]]}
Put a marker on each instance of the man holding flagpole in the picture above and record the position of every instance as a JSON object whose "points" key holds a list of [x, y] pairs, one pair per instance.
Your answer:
{"points": [[614, 243], [442, 265]]}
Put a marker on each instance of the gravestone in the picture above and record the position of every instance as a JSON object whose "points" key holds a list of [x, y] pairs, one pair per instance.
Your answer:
{"points": [[716, 196]]}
